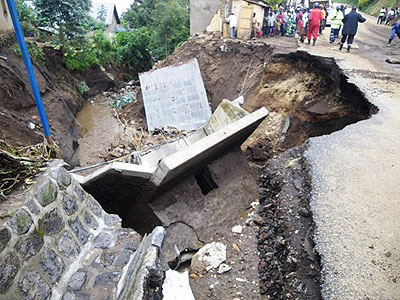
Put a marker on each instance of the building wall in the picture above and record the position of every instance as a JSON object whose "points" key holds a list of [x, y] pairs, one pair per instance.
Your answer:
{"points": [[201, 14], [111, 28], [259, 10], [5, 19]]}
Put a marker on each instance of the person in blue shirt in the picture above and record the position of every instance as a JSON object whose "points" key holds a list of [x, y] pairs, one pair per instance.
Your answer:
{"points": [[395, 30]]}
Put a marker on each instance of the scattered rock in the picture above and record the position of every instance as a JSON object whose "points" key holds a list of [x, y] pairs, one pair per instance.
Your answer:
{"points": [[237, 229], [223, 268], [392, 60], [212, 254], [304, 212], [176, 286]]}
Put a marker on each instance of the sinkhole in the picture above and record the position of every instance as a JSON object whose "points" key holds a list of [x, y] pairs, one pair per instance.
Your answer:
{"points": [[306, 95]]}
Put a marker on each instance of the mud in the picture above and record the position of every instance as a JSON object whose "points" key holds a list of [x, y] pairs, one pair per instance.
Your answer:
{"points": [[60, 96], [290, 266]]}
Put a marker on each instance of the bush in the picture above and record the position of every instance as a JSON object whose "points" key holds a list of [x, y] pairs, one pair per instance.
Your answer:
{"points": [[80, 56], [35, 53], [83, 88], [85, 53], [132, 49]]}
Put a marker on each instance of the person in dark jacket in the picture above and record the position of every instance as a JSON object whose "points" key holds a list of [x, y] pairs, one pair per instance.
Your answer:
{"points": [[395, 31], [350, 26]]}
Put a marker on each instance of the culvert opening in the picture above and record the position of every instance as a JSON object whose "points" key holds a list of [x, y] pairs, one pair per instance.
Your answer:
{"points": [[205, 181]]}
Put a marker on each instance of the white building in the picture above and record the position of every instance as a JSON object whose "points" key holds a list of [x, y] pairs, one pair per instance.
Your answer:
{"points": [[5, 19]]}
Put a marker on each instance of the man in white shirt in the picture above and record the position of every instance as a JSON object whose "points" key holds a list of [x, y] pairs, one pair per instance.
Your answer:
{"points": [[381, 17], [232, 24]]}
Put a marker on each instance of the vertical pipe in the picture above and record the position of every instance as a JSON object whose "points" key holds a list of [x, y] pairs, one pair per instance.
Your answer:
{"points": [[29, 67]]}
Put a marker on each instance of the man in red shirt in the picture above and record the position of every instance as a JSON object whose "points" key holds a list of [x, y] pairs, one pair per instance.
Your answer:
{"points": [[314, 23]]}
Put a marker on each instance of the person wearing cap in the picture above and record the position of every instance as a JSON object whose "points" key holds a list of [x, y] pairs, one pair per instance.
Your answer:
{"points": [[314, 23], [350, 26], [336, 23]]}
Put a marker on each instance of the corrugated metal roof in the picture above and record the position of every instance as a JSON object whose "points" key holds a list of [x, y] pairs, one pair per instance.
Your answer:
{"points": [[258, 2]]}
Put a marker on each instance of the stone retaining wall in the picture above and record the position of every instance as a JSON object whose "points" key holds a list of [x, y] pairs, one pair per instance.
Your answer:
{"points": [[60, 244]]}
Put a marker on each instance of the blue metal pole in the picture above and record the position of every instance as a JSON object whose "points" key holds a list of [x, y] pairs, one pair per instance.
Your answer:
{"points": [[29, 67]]}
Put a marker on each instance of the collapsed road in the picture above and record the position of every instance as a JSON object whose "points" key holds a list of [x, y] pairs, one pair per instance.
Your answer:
{"points": [[206, 201], [297, 203]]}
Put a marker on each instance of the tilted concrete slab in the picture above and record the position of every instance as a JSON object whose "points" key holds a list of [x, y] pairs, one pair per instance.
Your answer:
{"points": [[225, 114], [125, 169], [175, 164], [206, 148]]}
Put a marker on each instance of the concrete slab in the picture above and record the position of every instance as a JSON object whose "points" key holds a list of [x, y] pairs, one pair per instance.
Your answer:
{"points": [[225, 114], [179, 162], [175, 96], [139, 171]]}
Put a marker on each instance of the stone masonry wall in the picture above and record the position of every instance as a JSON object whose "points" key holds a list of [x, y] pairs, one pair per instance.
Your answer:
{"points": [[61, 245]]}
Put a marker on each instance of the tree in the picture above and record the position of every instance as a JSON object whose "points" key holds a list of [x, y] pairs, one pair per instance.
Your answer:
{"points": [[69, 17], [167, 22], [132, 49], [26, 17], [172, 26], [102, 13]]}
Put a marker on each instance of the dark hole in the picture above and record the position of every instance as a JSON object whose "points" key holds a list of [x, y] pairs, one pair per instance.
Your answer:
{"points": [[205, 181]]}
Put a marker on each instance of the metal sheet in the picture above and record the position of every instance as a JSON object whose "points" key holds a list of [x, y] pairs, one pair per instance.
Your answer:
{"points": [[175, 96]]}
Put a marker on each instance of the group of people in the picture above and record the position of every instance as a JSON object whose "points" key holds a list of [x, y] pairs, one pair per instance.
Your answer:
{"points": [[306, 23], [388, 16]]}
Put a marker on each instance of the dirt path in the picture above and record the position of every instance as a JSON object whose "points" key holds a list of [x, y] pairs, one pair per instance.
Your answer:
{"points": [[355, 195]]}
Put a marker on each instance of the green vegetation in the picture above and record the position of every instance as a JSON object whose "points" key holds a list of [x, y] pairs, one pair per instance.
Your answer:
{"points": [[167, 22], [154, 28], [68, 17], [372, 7], [83, 88], [36, 54]]}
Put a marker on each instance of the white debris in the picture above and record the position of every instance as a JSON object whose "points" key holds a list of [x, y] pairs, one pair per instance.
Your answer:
{"points": [[31, 125], [223, 268], [255, 204], [176, 286], [237, 229], [240, 279], [212, 254], [238, 101], [208, 268]]}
